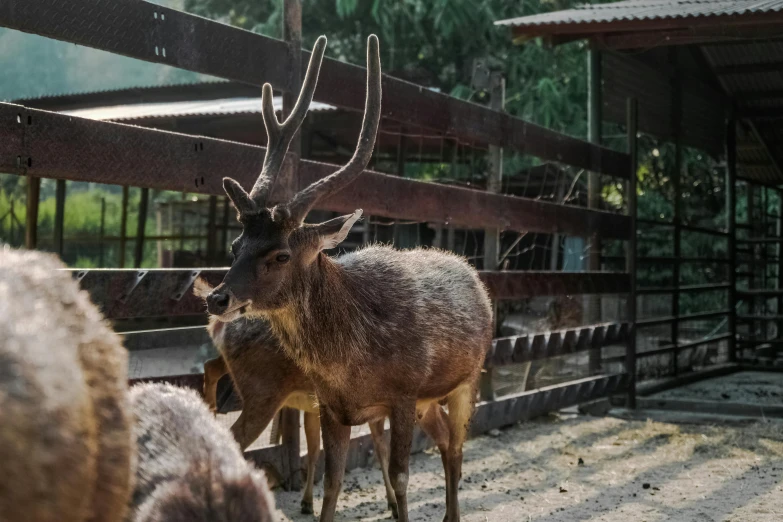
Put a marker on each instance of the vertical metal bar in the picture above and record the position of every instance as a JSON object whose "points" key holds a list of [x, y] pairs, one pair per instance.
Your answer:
{"points": [[212, 231], [492, 235], [402, 149], [101, 232], [731, 227], [59, 217], [779, 253], [224, 231], [31, 222], [12, 226], [594, 135], [141, 227], [630, 353], [750, 196], [676, 122], [124, 225], [763, 259], [292, 34]]}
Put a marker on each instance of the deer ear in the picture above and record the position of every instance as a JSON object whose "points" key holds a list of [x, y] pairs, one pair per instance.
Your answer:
{"points": [[238, 196], [334, 231]]}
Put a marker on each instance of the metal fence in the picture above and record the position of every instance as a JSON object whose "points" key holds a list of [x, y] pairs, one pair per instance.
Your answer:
{"points": [[40, 144]]}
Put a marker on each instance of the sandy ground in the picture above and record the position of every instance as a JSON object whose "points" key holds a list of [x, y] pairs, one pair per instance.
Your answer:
{"points": [[762, 388], [631, 471]]}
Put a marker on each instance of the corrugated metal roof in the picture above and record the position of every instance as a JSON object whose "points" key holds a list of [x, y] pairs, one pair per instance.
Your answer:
{"points": [[636, 10], [222, 107]]}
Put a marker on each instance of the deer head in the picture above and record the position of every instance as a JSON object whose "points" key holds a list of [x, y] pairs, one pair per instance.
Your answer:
{"points": [[276, 248]]}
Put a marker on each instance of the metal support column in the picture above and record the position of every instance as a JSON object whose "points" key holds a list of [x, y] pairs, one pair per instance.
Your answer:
{"points": [[212, 231], [731, 227], [492, 235], [594, 135], [292, 34], [31, 221], [141, 227], [124, 225], [59, 217], [630, 353], [101, 233], [676, 118]]}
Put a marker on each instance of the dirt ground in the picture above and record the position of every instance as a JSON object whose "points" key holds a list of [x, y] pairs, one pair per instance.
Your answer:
{"points": [[567, 468]]}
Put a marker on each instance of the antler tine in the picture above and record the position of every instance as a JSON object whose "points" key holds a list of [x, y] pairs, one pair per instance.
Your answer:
{"points": [[301, 204], [280, 134]]}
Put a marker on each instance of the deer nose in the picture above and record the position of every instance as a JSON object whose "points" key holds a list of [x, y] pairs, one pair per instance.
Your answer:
{"points": [[217, 302]]}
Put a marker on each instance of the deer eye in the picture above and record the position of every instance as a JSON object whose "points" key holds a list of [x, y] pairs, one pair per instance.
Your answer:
{"points": [[283, 258]]}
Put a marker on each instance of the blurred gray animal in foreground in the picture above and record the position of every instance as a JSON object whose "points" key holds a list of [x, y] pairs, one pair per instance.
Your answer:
{"points": [[66, 453], [190, 468]]}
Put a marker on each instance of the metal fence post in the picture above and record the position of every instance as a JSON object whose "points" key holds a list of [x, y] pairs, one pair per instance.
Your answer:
{"points": [[731, 215], [292, 34], [492, 235], [630, 354]]}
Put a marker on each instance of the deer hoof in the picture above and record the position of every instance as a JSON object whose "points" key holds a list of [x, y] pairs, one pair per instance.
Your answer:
{"points": [[307, 507], [393, 507]]}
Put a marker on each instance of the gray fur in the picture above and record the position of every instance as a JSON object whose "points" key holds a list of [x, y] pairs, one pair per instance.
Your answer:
{"points": [[189, 466]]}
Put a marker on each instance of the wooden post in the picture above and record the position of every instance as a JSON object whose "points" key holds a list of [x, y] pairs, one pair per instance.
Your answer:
{"points": [[676, 118], [31, 224], [141, 228], [212, 231], [630, 353], [492, 235], [292, 34], [731, 226], [59, 217], [594, 135], [124, 225], [101, 232]]}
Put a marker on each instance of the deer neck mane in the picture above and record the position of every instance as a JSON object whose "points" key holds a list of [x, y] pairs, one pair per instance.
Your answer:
{"points": [[311, 325]]}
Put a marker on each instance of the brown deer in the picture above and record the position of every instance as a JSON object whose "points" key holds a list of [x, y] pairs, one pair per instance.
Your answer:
{"points": [[380, 332], [190, 469], [66, 451], [266, 379]]}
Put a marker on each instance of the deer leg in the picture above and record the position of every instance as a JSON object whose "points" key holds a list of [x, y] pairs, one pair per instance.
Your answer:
{"points": [[435, 424], [312, 425], [382, 452], [403, 420], [337, 438], [460, 403], [214, 369]]}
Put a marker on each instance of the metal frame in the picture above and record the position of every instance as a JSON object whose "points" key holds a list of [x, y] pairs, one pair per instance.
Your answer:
{"points": [[37, 144]]}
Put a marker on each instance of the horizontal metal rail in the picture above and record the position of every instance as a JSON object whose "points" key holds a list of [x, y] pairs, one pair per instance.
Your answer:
{"points": [[525, 348], [683, 289], [656, 321], [149, 32], [125, 294], [49, 145], [669, 259], [689, 228]]}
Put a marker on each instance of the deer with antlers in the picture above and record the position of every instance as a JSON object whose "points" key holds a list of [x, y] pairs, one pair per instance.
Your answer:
{"points": [[380, 332]]}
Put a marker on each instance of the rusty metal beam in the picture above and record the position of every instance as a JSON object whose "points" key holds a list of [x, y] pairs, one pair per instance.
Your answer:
{"points": [[517, 285], [64, 147], [153, 33], [525, 348], [124, 294]]}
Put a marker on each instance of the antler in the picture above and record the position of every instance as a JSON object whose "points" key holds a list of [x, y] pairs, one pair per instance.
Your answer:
{"points": [[301, 204], [280, 134]]}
